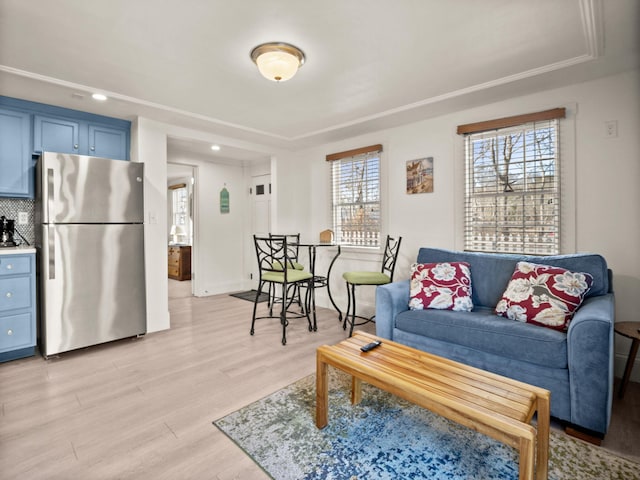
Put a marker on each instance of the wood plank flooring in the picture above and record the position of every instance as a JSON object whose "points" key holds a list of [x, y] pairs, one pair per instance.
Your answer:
{"points": [[142, 408]]}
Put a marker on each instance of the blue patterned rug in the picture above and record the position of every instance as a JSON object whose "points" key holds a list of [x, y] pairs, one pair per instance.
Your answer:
{"points": [[385, 437]]}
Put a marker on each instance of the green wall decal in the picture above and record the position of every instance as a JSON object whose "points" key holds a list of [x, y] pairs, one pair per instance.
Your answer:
{"points": [[224, 200]]}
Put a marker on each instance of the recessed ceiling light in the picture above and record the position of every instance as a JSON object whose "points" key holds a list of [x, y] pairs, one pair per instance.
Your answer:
{"points": [[99, 96], [215, 148]]}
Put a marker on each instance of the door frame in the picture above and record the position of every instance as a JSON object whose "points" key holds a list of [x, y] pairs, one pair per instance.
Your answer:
{"points": [[194, 209]]}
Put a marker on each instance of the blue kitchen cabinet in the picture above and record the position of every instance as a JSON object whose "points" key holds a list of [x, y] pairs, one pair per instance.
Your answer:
{"points": [[16, 164], [29, 128], [17, 305], [51, 134], [108, 142], [66, 135]]}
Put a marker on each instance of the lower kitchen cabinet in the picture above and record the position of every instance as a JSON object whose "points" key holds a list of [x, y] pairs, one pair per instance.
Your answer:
{"points": [[180, 262], [17, 305]]}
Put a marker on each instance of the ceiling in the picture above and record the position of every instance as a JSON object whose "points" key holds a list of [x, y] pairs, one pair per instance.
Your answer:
{"points": [[371, 64]]}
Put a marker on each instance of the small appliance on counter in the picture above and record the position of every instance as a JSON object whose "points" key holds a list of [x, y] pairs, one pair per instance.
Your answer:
{"points": [[7, 232]]}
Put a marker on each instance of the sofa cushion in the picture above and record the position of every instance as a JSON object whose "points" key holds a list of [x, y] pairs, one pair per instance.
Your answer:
{"points": [[484, 331], [443, 286], [543, 295], [491, 272]]}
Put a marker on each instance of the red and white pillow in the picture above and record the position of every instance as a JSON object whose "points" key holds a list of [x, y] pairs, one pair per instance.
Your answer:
{"points": [[443, 286], [543, 295]]}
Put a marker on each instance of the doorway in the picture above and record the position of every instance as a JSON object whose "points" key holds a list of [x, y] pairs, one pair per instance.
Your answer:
{"points": [[260, 211], [181, 229]]}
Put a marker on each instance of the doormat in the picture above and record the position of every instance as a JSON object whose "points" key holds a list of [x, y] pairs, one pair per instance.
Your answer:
{"points": [[385, 437], [250, 295]]}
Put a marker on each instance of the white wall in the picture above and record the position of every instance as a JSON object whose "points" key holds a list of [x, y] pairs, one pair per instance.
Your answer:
{"points": [[603, 184], [220, 238], [149, 145]]}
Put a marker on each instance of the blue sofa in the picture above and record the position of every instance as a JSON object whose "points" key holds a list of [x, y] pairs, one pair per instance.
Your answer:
{"points": [[576, 366]]}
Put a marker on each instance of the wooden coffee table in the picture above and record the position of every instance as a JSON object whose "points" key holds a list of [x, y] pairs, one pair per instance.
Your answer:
{"points": [[496, 406]]}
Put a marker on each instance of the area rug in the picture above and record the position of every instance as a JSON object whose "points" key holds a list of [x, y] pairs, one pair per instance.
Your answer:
{"points": [[250, 295], [385, 437]]}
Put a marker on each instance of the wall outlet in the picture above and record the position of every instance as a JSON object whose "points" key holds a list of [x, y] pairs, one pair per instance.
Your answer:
{"points": [[611, 129], [23, 218]]}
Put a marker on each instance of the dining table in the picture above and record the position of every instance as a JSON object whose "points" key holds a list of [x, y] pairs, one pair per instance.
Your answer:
{"points": [[319, 280]]}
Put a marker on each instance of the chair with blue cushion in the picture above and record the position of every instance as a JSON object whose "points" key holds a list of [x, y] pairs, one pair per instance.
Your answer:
{"points": [[272, 253], [360, 278]]}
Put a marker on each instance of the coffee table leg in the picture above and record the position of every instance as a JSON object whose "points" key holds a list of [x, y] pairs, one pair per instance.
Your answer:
{"points": [[542, 448], [526, 458], [356, 390], [322, 391]]}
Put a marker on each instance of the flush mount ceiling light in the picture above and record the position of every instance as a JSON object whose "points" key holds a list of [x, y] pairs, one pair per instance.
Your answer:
{"points": [[215, 148], [277, 61]]}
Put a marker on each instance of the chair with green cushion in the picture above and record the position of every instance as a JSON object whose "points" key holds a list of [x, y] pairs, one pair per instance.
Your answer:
{"points": [[384, 276], [272, 254], [293, 248]]}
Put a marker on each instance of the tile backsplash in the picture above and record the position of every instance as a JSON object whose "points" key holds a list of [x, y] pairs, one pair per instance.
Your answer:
{"points": [[10, 207]]}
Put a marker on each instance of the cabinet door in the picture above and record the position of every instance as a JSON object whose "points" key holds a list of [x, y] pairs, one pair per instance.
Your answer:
{"points": [[16, 165], [108, 142], [56, 135]]}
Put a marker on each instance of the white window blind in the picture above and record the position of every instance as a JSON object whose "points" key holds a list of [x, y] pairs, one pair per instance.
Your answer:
{"points": [[355, 185], [512, 191]]}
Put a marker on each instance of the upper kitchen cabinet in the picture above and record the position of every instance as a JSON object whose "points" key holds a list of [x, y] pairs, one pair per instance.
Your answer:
{"points": [[16, 165], [108, 142], [62, 130], [28, 128], [100, 137], [51, 134]]}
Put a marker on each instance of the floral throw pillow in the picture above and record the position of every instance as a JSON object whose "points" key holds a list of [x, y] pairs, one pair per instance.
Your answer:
{"points": [[543, 295], [443, 286]]}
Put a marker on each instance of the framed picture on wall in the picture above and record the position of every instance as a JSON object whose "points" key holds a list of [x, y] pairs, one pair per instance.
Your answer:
{"points": [[420, 175]]}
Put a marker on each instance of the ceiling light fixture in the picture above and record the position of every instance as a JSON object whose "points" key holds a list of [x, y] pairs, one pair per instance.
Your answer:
{"points": [[277, 61], [215, 148], [99, 96]]}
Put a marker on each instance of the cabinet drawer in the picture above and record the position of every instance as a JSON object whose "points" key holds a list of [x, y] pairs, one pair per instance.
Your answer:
{"points": [[16, 332], [14, 265], [174, 271], [15, 293]]}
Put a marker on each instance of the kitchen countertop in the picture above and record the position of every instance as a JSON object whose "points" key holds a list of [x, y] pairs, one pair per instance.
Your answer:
{"points": [[16, 250]]}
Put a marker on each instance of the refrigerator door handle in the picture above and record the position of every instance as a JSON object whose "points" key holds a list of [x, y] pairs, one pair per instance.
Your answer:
{"points": [[50, 194], [51, 242]]}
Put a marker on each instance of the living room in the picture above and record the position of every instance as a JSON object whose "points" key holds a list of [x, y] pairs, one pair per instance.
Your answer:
{"points": [[600, 195]]}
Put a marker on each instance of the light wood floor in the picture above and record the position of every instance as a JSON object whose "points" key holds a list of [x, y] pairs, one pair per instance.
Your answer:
{"points": [[138, 409]]}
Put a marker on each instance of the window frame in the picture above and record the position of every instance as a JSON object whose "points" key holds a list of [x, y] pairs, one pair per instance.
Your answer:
{"points": [[483, 131], [371, 236]]}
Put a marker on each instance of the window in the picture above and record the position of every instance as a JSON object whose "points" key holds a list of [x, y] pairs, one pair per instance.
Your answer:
{"points": [[355, 185], [512, 190]]}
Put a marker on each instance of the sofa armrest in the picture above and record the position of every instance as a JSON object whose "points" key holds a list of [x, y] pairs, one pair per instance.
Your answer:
{"points": [[391, 299], [590, 357]]}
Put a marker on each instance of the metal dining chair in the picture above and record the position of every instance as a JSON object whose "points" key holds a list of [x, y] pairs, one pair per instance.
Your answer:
{"points": [[272, 254], [293, 250], [361, 278]]}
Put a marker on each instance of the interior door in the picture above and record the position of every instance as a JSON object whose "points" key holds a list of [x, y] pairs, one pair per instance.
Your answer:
{"points": [[261, 214]]}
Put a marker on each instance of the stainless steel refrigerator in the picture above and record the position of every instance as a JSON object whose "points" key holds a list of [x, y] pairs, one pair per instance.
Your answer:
{"points": [[90, 239]]}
